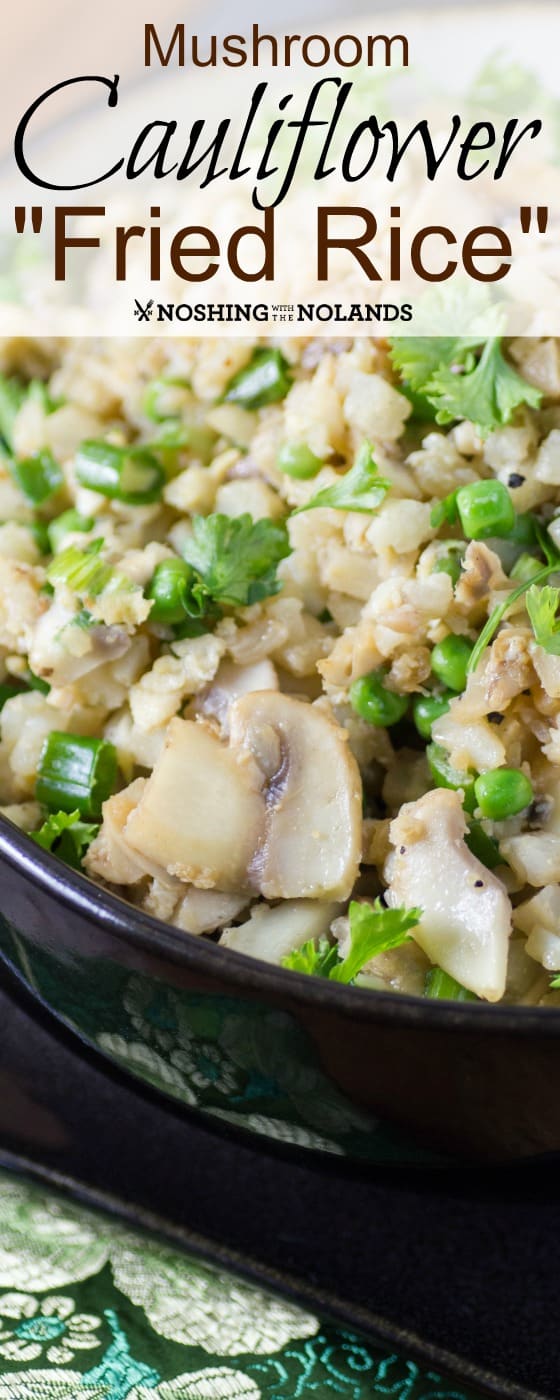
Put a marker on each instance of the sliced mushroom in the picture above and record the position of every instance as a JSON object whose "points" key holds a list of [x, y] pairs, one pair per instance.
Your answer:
{"points": [[277, 811], [110, 857], [201, 813], [230, 683], [312, 790], [466, 920], [204, 911], [271, 934]]}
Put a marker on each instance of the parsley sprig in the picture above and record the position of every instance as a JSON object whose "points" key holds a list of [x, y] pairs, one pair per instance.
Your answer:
{"points": [[373, 930], [486, 389]]}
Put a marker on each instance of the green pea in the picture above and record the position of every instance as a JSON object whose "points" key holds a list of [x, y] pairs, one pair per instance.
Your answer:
{"points": [[296, 459], [450, 659], [171, 591], [427, 708], [446, 776], [502, 793], [371, 699], [485, 509]]}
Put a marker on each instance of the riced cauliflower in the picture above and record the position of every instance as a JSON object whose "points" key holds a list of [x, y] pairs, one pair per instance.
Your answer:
{"points": [[280, 646]]}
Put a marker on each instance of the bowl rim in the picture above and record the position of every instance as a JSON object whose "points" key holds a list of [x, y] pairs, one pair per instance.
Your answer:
{"points": [[75, 890]]}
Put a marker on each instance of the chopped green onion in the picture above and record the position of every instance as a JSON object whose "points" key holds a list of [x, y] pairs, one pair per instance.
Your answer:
{"points": [[176, 592], [372, 701], [70, 522], [81, 570], [441, 986], [38, 392], [36, 682], [485, 508], [427, 708], [526, 568], [12, 394], [446, 776], [266, 379], [39, 531], [158, 401], [484, 847], [297, 460], [450, 659], [7, 692], [38, 477], [193, 626], [76, 773], [174, 437], [502, 793], [129, 474]]}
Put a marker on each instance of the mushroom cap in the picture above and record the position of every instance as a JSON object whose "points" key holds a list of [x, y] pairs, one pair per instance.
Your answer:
{"points": [[201, 813], [313, 796]]}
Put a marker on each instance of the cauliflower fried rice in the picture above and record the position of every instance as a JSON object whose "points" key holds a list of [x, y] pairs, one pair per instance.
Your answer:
{"points": [[279, 649]]}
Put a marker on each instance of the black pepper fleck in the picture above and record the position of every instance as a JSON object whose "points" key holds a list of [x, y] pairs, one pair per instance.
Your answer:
{"points": [[402, 851], [515, 479], [538, 813], [478, 884], [495, 717]]}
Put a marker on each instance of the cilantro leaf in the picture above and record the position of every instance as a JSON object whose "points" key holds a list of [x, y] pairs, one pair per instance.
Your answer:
{"points": [[361, 489], [418, 357], [542, 607], [486, 395], [13, 394], [67, 836], [445, 369], [373, 930], [236, 557], [315, 957]]}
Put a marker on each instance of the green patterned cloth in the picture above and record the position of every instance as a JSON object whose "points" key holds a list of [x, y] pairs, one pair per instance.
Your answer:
{"points": [[92, 1310]]}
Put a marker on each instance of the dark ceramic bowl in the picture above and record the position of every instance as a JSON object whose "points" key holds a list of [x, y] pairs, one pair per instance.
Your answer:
{"points": [[363, 1074]]}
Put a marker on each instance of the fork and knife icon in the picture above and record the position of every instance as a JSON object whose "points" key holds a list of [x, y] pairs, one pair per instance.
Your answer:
{"points": [[143, 313]]}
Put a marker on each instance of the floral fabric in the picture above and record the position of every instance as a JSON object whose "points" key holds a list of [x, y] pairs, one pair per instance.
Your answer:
{"points": [[92, 1310]]}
